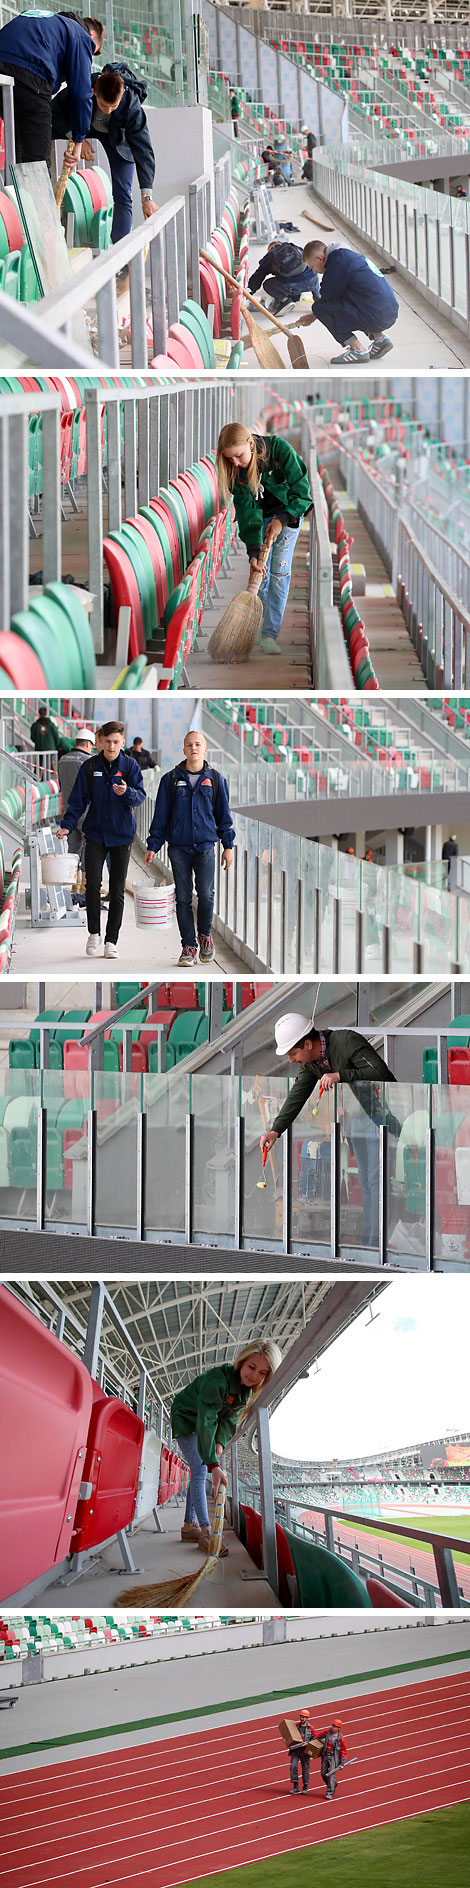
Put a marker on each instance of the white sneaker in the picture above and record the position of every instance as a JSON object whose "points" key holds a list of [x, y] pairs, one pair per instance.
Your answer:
{"points": [[268, 647], [93, 944], [110, 950]]}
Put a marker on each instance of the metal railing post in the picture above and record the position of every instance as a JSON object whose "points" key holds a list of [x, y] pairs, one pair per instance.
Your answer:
{"points": [[267, 1501], [94, 1326]]}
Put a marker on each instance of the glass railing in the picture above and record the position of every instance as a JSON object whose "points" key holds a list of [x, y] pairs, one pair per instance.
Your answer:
{"points": [[379, 1172]]}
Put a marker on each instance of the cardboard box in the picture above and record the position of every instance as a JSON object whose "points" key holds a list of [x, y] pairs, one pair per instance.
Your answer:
{"points": [[289, 1732]]}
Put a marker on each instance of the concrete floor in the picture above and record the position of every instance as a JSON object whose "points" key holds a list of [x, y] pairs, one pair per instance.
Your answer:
{"points": [[287, 664], [142, 952], [421, 336], [104, 1698], [165, 1557]]}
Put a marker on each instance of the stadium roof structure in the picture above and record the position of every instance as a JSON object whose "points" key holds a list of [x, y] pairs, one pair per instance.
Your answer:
{"points": [[177, 1328]]}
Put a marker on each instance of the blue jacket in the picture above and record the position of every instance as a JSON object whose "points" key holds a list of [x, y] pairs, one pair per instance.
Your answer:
{"points": [[126, 130], [109, 820], [59, 51], [192, 822], [363, 294], [285, 261]]}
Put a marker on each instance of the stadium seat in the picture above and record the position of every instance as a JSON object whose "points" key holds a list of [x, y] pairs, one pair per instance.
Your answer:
{"points": [[110, 1471], [45, 1408], [382, 1595], [322, 1579]]}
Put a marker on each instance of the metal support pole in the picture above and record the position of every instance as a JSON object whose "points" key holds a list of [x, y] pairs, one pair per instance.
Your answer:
{"points": [[235, 1493], [430, 1183], [95, 515], [267, 1500], [287, 1189], [359, 941], [188, 1179], [336, 924], [383, 1195], [239, 1189], [91, 1172], [335, 1187], [41, 1168], [316, 930], [93, 1333], [141, 1172], [298, 928], [444, 1564]]}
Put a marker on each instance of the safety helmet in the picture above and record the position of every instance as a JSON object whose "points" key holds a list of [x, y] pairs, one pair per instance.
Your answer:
{"points": [[289, 1029], [85, 734], [305, 1712], [338, 1722]]}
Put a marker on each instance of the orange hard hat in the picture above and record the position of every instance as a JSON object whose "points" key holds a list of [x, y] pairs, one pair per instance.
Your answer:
{"points": [[339, 1722]]}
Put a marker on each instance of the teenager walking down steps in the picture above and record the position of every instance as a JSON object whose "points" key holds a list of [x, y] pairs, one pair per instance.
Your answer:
{"points": [[204, 1417], [270, 486]]}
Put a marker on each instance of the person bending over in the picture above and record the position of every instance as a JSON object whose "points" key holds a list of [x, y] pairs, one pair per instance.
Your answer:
{"points": [[41, 52], [271, 492], [204, 1418], [117, 119], [353, 294]]}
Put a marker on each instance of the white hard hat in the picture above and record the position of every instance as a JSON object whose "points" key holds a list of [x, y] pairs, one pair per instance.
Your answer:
{"points": [[290, 1029], [85, 734]]}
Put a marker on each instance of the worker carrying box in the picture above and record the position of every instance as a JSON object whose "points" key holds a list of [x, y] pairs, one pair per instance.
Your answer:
{"points": [[303, 1744]]}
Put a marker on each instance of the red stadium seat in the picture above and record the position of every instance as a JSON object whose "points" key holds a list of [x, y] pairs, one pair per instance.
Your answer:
{"points": [[382, 1595], [163, 1486], [110, 1471], [254, 1534], [45, 1407]]}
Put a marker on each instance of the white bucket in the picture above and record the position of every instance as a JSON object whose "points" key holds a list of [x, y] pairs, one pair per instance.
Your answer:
{"points": [[154, 904]]}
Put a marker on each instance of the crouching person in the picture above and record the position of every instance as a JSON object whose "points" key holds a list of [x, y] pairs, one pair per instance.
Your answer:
{"points": [[192, 812]]}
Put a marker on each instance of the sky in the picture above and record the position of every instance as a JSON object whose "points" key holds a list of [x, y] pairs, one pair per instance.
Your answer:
{"points": [[403, 1379]]}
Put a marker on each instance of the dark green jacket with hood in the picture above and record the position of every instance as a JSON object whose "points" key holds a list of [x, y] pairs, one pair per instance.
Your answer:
{"points": [[210, 1406], [286, 488], [349, 1056]]}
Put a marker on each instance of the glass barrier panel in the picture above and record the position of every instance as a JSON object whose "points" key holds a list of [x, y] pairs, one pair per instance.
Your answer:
{"points": [[166, 1104], [451, 1123], [421, 264], [19, 1103], [262, 1097], [433, 275], [349, 895], [311, 1171], [445, 239], [437, 927], [117, 1100], [403, 921], [215, 1101], [460, 246], [67, 1097], [407, 1108]]}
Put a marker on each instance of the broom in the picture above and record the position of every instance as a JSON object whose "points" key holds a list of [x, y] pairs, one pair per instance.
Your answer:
{"points": [[318, 225], [295, 346], [235, 635], [61, 185], [180, 1592]]}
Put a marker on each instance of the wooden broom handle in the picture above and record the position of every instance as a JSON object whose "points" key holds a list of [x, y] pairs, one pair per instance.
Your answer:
{"points": [[61, 185], [256, 577], [230, 279]]}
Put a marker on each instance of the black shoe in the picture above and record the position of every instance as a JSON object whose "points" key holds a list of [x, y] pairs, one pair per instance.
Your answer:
{"points": [[305, 1790], [295, 1790]]}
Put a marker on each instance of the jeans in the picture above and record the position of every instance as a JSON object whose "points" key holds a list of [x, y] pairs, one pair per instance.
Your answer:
{"points": [[342, 326], [122, 177], [365, 1146], [95, 856], [274, 589], [196, 1500], [183, 866], [32, 109], [274, 286]]}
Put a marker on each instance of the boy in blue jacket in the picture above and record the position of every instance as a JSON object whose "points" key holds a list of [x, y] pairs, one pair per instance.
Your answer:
{"points": [[106, 789], [284, 274], [43, 51], [353, 294], [118, 121], [192, 812]]}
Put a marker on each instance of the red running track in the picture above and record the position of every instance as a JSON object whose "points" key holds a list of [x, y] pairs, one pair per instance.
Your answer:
{"points": [[396, 1551], [156, 1815]]}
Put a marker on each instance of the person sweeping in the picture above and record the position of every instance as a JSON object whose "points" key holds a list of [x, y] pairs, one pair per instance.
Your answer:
{"points": [[117, 119], [41, 52], [204, 1418], [271, 492]]}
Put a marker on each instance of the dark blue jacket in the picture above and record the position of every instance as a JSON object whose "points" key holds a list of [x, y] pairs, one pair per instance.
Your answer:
{"points": [[126, 130], [362, 293], [188, 818], [286, 262], [59, 51], [109, 820]]}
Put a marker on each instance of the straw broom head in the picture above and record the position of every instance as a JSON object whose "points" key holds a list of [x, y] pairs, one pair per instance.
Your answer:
{"points": [[235, 635], [180, 1592], [266, 353]]}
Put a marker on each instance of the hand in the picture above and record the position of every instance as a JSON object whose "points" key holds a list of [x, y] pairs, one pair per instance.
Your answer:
{"points": [[119, 787], [257, 562], [328, 1081], [305, 321], [71, 158], [61, 832], [88, 152], [149, 858], [227, 857], [219, 1480], [148, 206], [267, 1141], [273, 532]]}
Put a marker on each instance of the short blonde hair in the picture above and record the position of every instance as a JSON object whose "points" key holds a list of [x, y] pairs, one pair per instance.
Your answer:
{"points": [[233, 438]]}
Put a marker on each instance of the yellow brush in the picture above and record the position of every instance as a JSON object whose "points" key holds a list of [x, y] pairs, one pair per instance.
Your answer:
{"points": [[264, 1156]]}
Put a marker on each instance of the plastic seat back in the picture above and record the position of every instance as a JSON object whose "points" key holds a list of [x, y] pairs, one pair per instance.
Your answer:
{"points": [[45, 1408], [110, 1471], [322, 1579]]}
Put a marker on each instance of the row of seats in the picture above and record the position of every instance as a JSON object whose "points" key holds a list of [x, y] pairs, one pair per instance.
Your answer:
{"points": [[222, 247], [22, 1635], [10, 878], [49, 643], [364, 675], [310, 1575], [180, 1013], [341, 68], [17, 272], [94, 1466], [163, 563], [89, 198]]}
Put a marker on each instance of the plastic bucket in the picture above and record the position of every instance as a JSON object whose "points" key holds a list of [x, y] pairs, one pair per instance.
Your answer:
{"points": [[59, 868], [154, 904]]}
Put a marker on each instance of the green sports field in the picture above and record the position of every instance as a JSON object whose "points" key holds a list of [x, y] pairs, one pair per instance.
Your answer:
{"points": [[423, 1852], [437, 1524]]}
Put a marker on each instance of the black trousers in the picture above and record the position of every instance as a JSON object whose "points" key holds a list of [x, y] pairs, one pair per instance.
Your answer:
{"points": [[329, 1777], [94, 861], [298, 1755], [32, 104]]}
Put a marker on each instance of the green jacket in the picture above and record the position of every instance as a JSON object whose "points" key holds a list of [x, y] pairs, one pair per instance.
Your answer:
{"points": [[210, 1406], [285, 478], [45, 739], [349, 1056]]}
